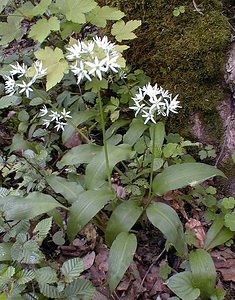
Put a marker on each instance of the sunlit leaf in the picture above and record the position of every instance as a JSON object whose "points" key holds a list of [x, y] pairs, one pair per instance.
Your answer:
{"points": [[124, 31], [37, 10], [181, 175], [10, 30], [120, 257], [99, 15], [75, 10], [89, 203], [167, 221], [55, 63], [43, 28], [122, 219]]}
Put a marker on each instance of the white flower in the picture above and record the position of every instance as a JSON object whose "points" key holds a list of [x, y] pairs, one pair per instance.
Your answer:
{"points": [[104, 43], [152, 101], [25, 87], [18, 69], [55, 116], [75, 51], [148, 115], [80, 71], [97, 67], [43, 111], [40, 72], [10, 85], [46, 122], [65, 114], [111, 63], [60, 125], [87, 48]]}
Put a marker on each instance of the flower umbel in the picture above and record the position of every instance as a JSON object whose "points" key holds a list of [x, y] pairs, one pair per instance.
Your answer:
{"points": [[151, 101]]}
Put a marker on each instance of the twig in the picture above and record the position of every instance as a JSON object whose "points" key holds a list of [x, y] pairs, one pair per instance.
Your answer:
{"points": [[196, 8], [150, 267]]}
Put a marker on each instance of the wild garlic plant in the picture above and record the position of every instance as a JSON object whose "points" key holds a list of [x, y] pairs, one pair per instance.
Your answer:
{"points": [[153, 102]]}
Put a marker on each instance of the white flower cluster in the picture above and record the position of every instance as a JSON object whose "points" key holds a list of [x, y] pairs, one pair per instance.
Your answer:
{"points": [[20, 85], [93, 58], [54, 116], [152, 101]]}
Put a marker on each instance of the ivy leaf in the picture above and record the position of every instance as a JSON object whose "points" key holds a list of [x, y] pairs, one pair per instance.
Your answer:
{"points": [[72, 268], [75, 10], [10, 30], [123, 31], [100, 15], [229, 221], [43, 28], [55, 63]]}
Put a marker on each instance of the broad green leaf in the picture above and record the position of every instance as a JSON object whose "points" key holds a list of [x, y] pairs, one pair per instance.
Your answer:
{"points": [[120, 257], [167, 221], [96, 84], [75, 10], [89, 203], [69, 189], [181, 175], [42, 229], [99, 15], [67, 28], [3, 4], [122, 219], [96, 172], [217, 234], [17, 208], [5, 251], [229, 221], [43, 27], [7, 101], [25, 276], [10, 30], [81, 154], [19, 143], [79, 287], [124, 31], [46, 275], [38, 10], [181, 284], [159, 130], [136, 129], [203, 272], [114, 127], [72, 268], [55, 63]]}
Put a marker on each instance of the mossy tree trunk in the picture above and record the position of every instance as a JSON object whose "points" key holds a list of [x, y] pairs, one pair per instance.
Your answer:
{"points": [[185, 54]]}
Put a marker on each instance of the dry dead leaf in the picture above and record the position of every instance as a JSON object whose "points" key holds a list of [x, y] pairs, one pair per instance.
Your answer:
{"points": [[196, 226]]}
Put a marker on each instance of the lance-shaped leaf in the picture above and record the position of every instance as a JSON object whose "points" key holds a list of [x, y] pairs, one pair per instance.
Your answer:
{"points": [[7, 101], [96, 172], [122, 219], [136, 129], [167, 221], [69, 189], [181, 175], [217, 234], [159, 131], [17, 208], [120, 257], [89, 203]]}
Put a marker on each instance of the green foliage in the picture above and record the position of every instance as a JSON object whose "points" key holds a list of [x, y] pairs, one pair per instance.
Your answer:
{"points": [[178, 10]]}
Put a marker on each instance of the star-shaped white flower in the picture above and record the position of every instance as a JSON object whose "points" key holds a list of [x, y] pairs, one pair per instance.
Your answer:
{"points": [[25, 87], [97, 67]]}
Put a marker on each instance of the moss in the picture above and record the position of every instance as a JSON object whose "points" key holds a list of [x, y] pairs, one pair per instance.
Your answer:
{"points": [[185, 54]]}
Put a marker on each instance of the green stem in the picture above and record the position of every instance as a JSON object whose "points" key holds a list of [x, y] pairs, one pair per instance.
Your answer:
{"points": [[104, 139], [151, 170]]}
